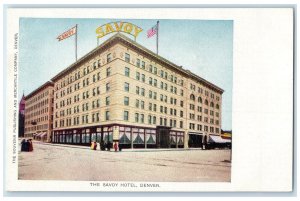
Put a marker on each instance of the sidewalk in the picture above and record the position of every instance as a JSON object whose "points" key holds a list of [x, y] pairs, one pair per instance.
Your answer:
{"points": [[112, 150]]}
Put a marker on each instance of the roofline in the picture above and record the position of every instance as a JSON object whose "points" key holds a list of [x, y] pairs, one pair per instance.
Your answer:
{"points": [[48, 83], [127, 41]]}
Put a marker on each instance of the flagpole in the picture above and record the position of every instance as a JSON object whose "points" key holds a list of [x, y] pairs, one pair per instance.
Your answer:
{"points": [[76, 42], [157, 37]]}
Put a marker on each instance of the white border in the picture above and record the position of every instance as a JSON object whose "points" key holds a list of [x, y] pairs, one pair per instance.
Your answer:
{"points": [[262, 97]]}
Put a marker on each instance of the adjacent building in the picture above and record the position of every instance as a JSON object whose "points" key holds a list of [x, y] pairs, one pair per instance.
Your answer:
{"points": [[39, 113], [21, 116], [123, 92]]}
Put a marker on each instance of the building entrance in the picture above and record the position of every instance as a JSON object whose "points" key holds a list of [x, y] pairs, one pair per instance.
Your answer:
{"points": [[195, 140], [163, 137]]}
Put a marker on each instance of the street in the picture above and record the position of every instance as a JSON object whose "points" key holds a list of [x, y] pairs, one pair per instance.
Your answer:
{"points": [[59, 162]]}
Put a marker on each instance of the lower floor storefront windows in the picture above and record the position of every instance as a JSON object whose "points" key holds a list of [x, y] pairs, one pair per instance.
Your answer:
{"points": [[126, 136]]}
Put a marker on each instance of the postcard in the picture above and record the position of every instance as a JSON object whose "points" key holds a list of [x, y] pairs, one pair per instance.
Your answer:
{"points": [[149, 100]]}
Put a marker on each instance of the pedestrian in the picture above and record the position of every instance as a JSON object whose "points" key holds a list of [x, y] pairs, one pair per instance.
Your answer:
{"points": [[116, 146], [105, 146], [95, 145], [108, 146], [23, 145], [102, 147], [120, 147], [30, 145], [92, 145]]}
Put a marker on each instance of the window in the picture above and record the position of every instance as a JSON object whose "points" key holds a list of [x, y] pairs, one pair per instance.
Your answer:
{"points": [[206, 102], [126, 86], [138, 62], [161, 73], [192, 97], [143, 78], [107, 100], [181, 124], [150, 68], [137, 90], [143, 65], [181, 103], [166, 75], [217, 106], [199, 100], [142, 104], [149, 119], [137, 103], [137, 76], [142, 118], [211, 104], [150, 94], [192, 107], [127, 57], [126, 100], [181, 113], [108, 72], [98, 77], [199, 109], [136, 117], [150, 80], [107, 87], [108, 58], [126, 115], [107, 115], [127, 71], [155, 82], [155, 70], [150, 106], [143, 92]]}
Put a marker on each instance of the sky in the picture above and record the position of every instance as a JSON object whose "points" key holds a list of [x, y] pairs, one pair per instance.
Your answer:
{"points": [[204, 47]]}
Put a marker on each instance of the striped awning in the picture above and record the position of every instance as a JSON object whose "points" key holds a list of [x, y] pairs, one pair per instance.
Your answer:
{"points": [[218, 139], [43, 135]]}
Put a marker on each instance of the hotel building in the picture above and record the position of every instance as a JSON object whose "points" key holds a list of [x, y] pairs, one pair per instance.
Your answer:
{"points": [[39, 113], [123, 92]]}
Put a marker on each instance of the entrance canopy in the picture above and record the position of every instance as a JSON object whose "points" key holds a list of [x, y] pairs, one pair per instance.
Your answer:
{"points": [[193, 133], [218, 139]]}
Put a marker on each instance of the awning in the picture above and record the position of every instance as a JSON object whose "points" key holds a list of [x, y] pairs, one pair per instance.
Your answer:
{"points": [[42, 136], [193, 133], [218, 139]]}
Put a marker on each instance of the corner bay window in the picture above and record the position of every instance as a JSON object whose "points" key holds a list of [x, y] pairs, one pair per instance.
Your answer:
{"points": [[126, 86], [126, 100], [127, 71]]}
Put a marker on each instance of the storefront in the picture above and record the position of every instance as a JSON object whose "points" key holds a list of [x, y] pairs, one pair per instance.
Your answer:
{"points": [[197, 140], [126, 136]]}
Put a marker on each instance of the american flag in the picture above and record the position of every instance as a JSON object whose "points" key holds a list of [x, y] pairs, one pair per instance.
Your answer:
{"points": [[152, 31]]}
